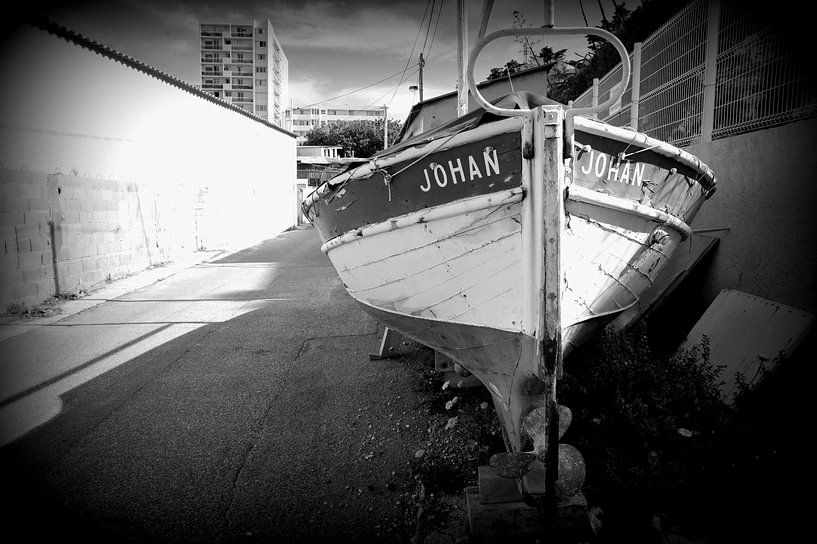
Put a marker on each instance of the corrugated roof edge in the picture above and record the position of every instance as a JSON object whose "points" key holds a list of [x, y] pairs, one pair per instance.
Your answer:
{"points": [[105, 51]]}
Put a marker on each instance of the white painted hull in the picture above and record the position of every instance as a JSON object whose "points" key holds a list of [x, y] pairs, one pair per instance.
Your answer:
{"points": [[467, 268]]}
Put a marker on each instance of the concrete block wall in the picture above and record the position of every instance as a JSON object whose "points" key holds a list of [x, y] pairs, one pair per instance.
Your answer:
{"points": [[24, 272], [64, 234]]}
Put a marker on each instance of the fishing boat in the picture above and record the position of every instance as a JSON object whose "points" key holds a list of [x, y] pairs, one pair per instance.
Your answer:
{"points": [[506, 238]]}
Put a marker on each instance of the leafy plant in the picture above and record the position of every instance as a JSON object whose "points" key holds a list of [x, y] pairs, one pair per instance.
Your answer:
{"points": [[648, 428]]}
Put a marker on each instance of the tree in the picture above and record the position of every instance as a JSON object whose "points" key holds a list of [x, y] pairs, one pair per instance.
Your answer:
{"points": [[357, 138], [511, 67], [628, 26], [549, 56]]}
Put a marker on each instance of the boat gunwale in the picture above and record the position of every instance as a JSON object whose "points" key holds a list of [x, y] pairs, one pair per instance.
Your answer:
{"points": [[708, 181], [575, 193], [434, 213], [416, 152]]}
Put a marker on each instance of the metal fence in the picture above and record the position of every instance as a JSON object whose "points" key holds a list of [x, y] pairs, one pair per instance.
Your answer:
{"points": [[710, 72]]}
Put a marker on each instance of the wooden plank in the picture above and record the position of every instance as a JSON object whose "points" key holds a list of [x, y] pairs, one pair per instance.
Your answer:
{"points": [[494, 489], [746, 332], [496, 508], [391, 339], [502, 519], [443, 363], [686, 257]]}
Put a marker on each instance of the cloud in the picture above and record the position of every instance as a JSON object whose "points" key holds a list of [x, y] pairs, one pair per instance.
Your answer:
{"points": [[379, 29]]}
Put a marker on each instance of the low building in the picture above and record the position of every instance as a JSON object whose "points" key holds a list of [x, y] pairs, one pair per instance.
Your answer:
{"points": [[302, 120]]}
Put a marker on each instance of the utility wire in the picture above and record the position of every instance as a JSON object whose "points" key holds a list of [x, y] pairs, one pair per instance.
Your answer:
{"points": [[352, 92], [411, 55], [428, 28], [402, 80], [584, 15], [436, 24], [419, 29]]}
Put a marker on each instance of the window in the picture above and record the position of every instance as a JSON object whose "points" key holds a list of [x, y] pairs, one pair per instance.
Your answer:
{"points": [[262, 43], [227, 42], [261, 82], [262, 56], [260, 31], [260, 69], [261, 108]]}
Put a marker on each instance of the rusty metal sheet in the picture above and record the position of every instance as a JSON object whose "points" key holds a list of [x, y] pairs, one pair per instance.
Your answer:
{"points": [[748, 333]]}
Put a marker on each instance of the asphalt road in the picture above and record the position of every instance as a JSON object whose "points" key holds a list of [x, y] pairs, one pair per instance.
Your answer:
{"points": [[233, 401]]}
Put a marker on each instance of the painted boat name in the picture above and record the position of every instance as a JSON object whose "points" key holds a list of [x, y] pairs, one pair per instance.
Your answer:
{"points": [[604, 166], [457, 169]]}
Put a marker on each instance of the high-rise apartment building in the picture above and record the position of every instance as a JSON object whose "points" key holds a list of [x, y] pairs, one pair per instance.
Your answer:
{"points": [[245, 64]]}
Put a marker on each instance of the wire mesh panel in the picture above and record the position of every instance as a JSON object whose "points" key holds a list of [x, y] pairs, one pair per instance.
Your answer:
{"points": [[672, 113], [672, 61], [760, 81]]}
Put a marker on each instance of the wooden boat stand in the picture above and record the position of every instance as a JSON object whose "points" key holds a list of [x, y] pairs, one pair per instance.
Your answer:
{"points": [[496, 509]]}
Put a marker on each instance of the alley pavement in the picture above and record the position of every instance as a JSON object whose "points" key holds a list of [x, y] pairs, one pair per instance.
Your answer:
{"points": [[232, 400]]}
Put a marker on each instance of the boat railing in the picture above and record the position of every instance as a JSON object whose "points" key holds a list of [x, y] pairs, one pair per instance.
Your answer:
{"points": [[545, 31]]}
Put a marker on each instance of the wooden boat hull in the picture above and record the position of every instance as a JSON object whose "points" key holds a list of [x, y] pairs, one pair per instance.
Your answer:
{"points": [[447, 240]]}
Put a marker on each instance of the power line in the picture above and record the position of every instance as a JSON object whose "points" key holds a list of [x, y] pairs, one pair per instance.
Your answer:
{"points": [[417, 37], [584, 15], [436, 24], [411, 55], [403, 79], [352, 92], [428, 28]]}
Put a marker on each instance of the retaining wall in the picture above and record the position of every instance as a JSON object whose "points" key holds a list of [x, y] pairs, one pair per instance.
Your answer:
{"points": [[767, 199]]}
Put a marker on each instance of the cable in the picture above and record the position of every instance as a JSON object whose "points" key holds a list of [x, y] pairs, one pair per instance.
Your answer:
{"points": [[411, 55], [392, 90], [436, 24], [350, 92], [428, 28], [417, 37], [583, 13]]}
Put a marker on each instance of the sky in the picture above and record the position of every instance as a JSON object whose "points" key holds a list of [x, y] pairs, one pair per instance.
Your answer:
{"points": [[334, 47]]}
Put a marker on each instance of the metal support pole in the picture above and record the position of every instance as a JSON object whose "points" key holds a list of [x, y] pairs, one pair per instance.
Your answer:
{"points": [[422, 63], [636, 86], [710, 70], [595, 95], [487, 5], [549, 18], [462, 50], [385, 126], [550, 346]]}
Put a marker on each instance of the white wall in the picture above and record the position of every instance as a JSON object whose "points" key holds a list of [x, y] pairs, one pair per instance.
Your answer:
{"points": [[65, 109]]}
